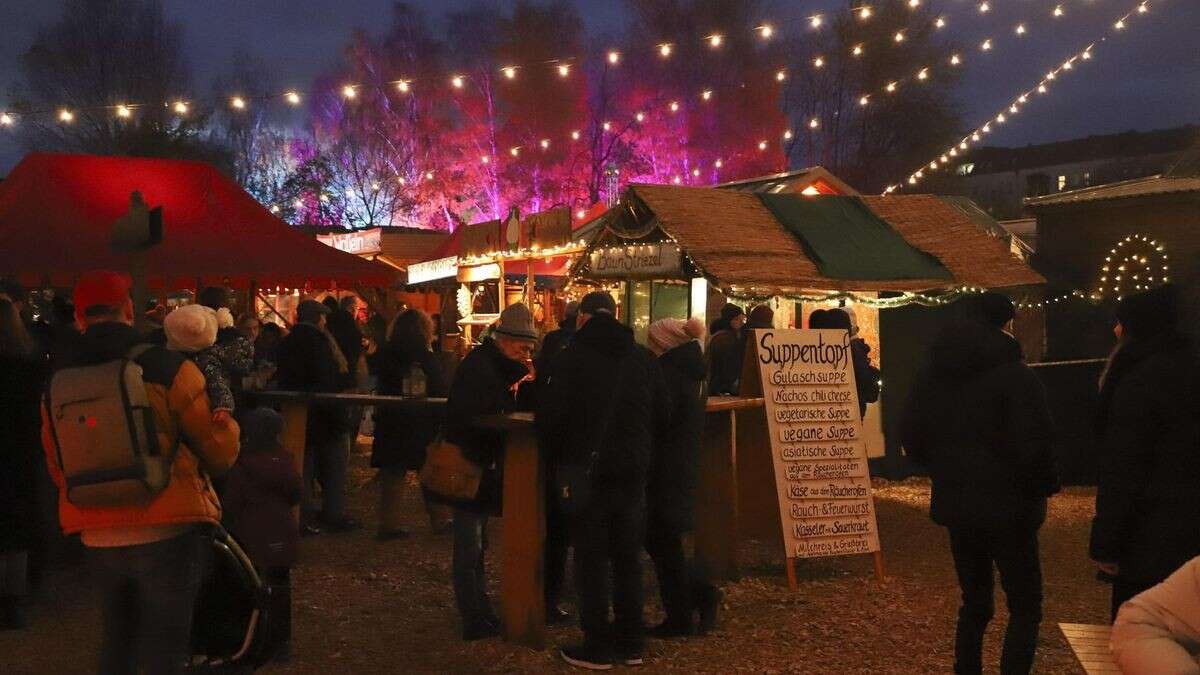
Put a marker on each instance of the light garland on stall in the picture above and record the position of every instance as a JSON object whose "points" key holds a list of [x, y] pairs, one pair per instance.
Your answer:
{"points": [[1136, 269], [1018, 104]]}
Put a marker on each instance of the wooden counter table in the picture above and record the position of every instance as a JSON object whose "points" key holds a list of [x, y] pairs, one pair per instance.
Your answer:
{"points": [[726, 495]]}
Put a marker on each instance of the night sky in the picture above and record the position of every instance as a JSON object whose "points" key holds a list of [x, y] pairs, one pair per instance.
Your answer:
{"points": [[1146, 77]]}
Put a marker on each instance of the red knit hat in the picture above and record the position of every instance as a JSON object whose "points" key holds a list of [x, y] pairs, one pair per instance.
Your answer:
{"points": [[101, 288]]}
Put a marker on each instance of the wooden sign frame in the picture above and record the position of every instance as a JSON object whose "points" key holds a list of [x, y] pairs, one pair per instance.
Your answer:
{"points": [[752, 384]]}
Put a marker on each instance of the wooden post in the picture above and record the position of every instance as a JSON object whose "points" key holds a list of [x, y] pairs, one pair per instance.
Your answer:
{"points": [[880, 576], [790, 564], [522, 574], [295, 427], [716, 512]]}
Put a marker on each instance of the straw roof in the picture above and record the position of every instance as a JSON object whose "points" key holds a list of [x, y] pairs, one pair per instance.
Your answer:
{"points": [[736, 241]]}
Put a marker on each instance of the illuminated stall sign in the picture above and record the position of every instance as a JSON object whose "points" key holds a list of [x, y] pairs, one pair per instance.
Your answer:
{"points": [[366, 242], [659, 261], [432, 270]]}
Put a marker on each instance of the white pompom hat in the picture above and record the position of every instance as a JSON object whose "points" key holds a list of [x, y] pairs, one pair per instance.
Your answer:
{"points": [[191, 328]]}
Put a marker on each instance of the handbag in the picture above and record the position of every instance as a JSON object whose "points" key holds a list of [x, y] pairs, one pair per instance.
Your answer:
{"points": [[573, 482], [448, 474]]}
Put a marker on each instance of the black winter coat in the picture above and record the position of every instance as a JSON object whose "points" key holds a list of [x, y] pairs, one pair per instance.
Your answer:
{"points": [[482, 386], [259, 493], [345, 331], [1148, 493], [726, 351], [306, 363], [866, 376], [671, 492], [401, 435], [20, 450], [979, 422], [602, 362]]}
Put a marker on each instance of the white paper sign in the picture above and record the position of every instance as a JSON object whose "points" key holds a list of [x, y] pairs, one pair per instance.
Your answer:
{"points": [[817, 445]]}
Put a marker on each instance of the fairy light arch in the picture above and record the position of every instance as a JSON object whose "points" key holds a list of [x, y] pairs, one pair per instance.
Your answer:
{"points": [[1136, 263]]}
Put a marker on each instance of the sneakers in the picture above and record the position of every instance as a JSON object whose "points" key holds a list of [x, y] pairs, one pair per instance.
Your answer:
{"points": [[590, 658], [629, 657]]}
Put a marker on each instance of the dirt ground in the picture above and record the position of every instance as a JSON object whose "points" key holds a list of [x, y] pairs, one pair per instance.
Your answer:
{"points": [[363, 606]]}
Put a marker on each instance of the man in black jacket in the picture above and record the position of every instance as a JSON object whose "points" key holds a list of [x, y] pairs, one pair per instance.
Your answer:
{"points": [[307, 363], [1147, 521], [608, 403], [483, 385], [979, 422]]}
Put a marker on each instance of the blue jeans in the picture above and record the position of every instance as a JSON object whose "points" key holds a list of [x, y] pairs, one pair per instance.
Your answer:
{"points": [[470, 578], [149, 596]]}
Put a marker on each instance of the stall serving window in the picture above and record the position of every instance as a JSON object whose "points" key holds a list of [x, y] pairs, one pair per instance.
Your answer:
{"points": [[648, 301]]}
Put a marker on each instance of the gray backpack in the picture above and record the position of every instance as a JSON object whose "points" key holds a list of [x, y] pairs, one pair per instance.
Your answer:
{"points": [[104, 434]]}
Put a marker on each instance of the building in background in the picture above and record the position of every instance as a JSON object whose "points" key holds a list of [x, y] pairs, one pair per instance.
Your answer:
{"points": [[998, 179]]}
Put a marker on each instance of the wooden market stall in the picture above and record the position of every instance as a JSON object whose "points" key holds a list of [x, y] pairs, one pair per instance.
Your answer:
{"points": [[899, 262]]}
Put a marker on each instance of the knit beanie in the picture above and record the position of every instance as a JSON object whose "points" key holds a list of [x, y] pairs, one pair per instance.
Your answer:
{"points": [[762, 317], [995, 309], [667, 334], [1149, 313], [191, 328]]}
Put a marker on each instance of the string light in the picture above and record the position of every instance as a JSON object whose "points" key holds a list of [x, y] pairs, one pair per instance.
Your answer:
{"points": [[815, 20], [674, 106], [180, 108], [864, 100], [564, 69], [984, 7], [292, 97], [514, 151], [124, 112], [715, 40], [986, 46], [818, 62], [6, 120], [510, 72], [780, 76], [607, 126], [858, 50], [640, 116], [762, 145], [864, 12], [1020, 29], [348, 92], [614, 57], [664, 50], [787, 135], [940, 23], [456, 81], [545, 143], [575, 135], [706, 94], [403, 86], [899, 36], [955, 59], [814, 123], [485, 159], [891, 87], [923, 74], [766, 31], [238, 103], [1058, 10]]}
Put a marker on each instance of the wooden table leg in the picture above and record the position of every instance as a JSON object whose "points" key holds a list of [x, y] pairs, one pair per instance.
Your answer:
{"points": [[295, 427], [717, 499], [522, 573]]}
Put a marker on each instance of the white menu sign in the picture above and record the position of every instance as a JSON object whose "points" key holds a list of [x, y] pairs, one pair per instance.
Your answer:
{"points": [[817, 446]]}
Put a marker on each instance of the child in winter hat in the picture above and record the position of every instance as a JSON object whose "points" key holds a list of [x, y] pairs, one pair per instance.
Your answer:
{"points": [[192, 330]]}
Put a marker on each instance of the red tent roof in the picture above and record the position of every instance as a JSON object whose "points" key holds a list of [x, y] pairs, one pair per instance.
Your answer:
{"points": [[57, 211]]}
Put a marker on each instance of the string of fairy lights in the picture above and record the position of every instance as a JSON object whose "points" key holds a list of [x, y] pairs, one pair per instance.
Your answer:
{"points": [[1018, 104], [564, 67]]}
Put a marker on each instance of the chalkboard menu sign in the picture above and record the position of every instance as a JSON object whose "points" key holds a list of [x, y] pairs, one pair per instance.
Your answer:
{"points": [[817, 446]]}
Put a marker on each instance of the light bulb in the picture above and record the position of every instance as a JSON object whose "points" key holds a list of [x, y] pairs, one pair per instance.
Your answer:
{"points": [[923, 74], [715, 40], [899, 36], [718, 164], [664, 50], [787, 135], [987, 44], [984, 7], [780, 76], [510, 72], [674, 106], [891, 87], [706, 95], [564, 69], [457, 81], [124, 111], [545, 143], [762, 145], [292, 98], [403, 86], [864, 13], [814, 123], [1020, 29], [858, 50], [614, 57], [955, 59], [940, 23], [238, 103], [1142, 8], [574, 135], [766, 31], [607, 126], [818, 62], [485, 159], [1058, 10], [348, 91], [864, 100], [1119, 24], [6, 120], [640, 116], [180, 108], [815, 21]]}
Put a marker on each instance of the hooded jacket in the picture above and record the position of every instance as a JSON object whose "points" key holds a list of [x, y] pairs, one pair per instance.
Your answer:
{"points": [[671, 492], [978, 420], [601, 362], [259, 493], [181, 410], [1148, 492]]}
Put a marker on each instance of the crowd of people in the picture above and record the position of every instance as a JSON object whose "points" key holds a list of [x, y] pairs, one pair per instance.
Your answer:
{"points": [[620, 426]]}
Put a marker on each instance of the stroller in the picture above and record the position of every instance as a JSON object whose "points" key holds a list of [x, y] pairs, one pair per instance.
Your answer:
{"points": [[232, 627]]}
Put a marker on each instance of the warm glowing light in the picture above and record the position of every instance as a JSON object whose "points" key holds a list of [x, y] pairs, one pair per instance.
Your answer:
{"points": [[564, 69], [864, 100], [580, 214], [545, 143], [762, 145], [1013, 109], [940, 23], [987, 44], [274, 208], [891, 87], [899, 36], [614, 57], [914, 3], [348, 91], [665, 49], [1020, 29], [1086, 55], [574, 135], [780, 76], [1022, 98], [987, 129], [1119, 24], [787, 135], [428, 175], [298, 204], [975, 137], [1058, 10], [1000, 118], [864, 13], [1142, 8], [696, 172], [1041, 88], [292, 97], [457, 81], [923, 74], [485, 159], [715, 40], [984, 7], [6, 120], [403, 86], [607, 126], [818, 62], [238, 103], [814, 123], [124, 111], [510, 72], [706, 94], [815, 21], [640, 116], [955, 59], [674, 106], [180, 108], [766, 31], [677, 180], [718, 164], [857, 51]]}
